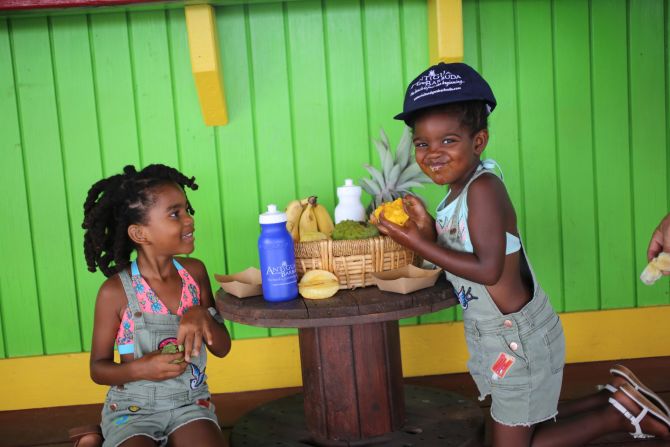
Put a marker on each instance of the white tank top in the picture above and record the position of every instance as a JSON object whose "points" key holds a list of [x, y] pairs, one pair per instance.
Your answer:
{"points": [[445, 213]]}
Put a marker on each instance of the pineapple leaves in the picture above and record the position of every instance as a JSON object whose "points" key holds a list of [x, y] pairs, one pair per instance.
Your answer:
{"points": [[370, 187], [398, 173], [384, 138], [407, 185], [413, 172], [403, 152], [385, 156], [392, 178], [376, 175]]}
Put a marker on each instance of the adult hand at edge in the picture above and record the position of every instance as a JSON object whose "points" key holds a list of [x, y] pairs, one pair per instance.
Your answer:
{"points": [[660, 239]]}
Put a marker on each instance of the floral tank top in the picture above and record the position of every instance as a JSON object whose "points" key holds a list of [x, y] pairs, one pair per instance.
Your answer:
{"points": [[150, 303]]}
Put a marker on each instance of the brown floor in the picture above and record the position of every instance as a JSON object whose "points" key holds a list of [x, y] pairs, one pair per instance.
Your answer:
{"points": [[48, 427]]}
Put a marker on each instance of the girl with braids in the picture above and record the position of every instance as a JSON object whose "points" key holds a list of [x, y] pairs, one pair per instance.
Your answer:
{"points": [[155, 301]]}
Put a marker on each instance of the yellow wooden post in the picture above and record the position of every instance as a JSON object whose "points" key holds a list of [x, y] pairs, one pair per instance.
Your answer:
{"points": [[445, 31], [204, 47]]}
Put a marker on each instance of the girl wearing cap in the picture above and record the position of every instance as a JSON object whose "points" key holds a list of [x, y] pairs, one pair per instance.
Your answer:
{"points": [[515, 339]]}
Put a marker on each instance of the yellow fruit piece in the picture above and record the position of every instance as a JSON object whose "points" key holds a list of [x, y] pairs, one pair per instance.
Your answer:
{"points": [[312, 236], [318, 284], [393, 211]]}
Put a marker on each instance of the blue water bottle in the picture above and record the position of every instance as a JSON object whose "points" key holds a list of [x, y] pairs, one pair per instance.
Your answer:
{"points": [[275, 248]]}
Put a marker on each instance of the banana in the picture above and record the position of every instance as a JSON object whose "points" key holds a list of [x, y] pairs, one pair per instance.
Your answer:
{"points": [[306, 200], [323, 220], [308, 220], [293, 212]]}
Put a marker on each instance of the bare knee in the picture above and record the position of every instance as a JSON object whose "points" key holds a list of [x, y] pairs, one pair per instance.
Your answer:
{"points": [[207, 433], [508, 436]]}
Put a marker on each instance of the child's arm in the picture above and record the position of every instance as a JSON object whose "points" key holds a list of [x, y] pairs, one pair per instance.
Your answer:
{"points": [[197, 323], [486, 222], [111, 301]]}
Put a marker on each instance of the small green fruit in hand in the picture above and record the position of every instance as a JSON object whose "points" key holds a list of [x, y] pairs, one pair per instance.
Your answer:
{"points": [[171, 348]]}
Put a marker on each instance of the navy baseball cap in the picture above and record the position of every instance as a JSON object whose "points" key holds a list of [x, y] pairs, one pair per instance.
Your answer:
{"points": [[443, 84]]}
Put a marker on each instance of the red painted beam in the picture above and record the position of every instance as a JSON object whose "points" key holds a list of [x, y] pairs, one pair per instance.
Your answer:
{"points": [[8, 5]]}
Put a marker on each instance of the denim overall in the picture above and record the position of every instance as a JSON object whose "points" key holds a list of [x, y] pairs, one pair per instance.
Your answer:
{"points": [[155, 409], [517, 358]]}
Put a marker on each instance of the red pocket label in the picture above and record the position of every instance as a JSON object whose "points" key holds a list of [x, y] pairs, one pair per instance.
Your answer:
{"points": [[502, 364]]}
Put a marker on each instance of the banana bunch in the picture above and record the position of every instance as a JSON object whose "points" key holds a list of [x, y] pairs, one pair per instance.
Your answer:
{"points": [[308, 220]]}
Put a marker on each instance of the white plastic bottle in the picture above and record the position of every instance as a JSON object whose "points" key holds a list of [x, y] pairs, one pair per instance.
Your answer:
{"points": [[349, 206]]}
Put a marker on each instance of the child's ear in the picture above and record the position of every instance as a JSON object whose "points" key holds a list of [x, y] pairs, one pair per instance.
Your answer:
{"points": [[136, 234], [481, 140]]}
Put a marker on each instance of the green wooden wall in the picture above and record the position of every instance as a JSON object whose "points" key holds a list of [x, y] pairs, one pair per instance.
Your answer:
{"points": [[581, 132]]}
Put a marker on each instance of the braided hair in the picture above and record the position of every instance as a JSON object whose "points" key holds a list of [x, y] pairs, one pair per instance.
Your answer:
{"points": [[116, 202]]}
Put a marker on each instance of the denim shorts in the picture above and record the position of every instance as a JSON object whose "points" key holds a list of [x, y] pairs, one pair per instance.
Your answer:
{"points": [[133, 412], [518, 358]]}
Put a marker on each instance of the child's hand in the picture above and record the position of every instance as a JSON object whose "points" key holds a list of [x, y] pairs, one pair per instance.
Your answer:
{"points": [[194, 327], [404, 235], [157, 366], [416, 210]]}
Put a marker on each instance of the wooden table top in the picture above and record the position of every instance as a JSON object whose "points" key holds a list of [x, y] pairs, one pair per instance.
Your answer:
{"points": [[346, 307]]}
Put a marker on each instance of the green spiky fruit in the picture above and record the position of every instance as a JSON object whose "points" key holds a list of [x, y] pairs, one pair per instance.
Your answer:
{"points": [[398, 174], [350, 229]]}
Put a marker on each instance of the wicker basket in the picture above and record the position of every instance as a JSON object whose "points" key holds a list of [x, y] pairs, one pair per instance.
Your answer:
{"points": [[353, 261]]}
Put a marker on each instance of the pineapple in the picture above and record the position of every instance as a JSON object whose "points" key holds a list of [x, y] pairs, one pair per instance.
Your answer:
{"points": [[399, 173]]}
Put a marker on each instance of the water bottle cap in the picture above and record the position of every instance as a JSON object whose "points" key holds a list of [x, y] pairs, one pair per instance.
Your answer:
{"points": [[272, 216], [349, 189]]}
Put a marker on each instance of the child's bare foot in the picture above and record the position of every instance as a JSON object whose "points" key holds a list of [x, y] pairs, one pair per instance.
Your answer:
{"points": [[638, 415]]}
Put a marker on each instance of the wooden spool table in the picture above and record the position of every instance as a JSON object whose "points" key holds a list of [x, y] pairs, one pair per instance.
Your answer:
{"points": [[352, 374]]}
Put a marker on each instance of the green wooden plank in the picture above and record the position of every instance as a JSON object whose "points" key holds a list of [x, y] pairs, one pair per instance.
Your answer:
{"points": [[383, 69], [3, 352], [309, 102], [497, 34], [611, 136], [271, 104], [153, 88], [46, 186], [648, 134], [414, 46], [537, 133], [82, 164], [307, 83], [114, 92], [275, 133], [197, 149], [346, 90], [575, 156], [415, 54], [236, 153], [19, 306]]}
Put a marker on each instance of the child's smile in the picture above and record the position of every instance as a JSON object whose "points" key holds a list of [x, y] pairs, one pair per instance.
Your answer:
{"points": [[444, 149]]}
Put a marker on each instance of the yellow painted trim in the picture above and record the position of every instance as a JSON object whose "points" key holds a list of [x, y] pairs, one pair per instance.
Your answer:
{"points": [[204, 48], [445, 31], [264, 363]]}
